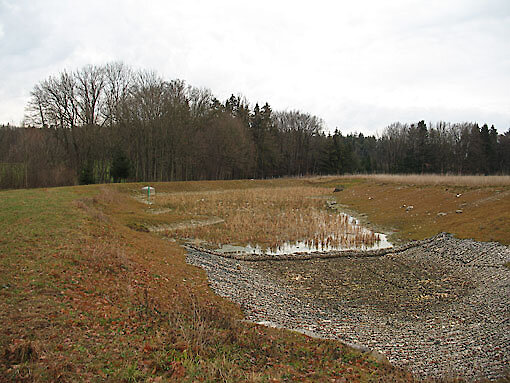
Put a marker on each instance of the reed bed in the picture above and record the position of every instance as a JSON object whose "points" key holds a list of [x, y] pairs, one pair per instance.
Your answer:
{"points": [[268, 217], [437, 179]]}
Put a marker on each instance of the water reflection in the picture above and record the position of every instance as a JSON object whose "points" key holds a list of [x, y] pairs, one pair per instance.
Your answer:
{"points": [[359, 238]]}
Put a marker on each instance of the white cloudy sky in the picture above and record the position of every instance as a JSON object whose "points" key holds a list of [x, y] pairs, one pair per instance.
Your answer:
{"points": [[360, 65]]}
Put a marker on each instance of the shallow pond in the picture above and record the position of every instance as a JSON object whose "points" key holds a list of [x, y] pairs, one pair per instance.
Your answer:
{"points": [[326, 243]]}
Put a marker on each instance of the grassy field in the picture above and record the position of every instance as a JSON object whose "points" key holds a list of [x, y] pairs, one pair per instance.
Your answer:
{"points": [[88, 294]]}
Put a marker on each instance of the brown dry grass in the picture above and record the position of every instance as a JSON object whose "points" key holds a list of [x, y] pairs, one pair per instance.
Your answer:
{"points": [[267, 216], [85, 298], [436, 179], [474, 211]]}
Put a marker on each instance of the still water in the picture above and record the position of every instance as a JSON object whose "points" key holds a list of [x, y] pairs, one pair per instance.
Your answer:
{"points": [[348, 242]]}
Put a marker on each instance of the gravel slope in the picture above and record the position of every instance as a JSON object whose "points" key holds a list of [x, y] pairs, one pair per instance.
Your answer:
{"points": [[438, 307]]}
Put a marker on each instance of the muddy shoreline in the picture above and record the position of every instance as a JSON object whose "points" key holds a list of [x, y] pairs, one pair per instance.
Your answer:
{"points": [[438, 307]]}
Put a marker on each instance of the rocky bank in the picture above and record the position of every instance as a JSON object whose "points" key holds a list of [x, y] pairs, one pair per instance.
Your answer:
{"points": [[438, 307]]}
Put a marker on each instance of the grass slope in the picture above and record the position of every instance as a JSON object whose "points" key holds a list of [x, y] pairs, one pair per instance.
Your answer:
{"points": [[416, 208], [85, 298]]}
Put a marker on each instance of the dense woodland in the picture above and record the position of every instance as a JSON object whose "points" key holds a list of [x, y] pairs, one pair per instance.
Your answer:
{"points": [[109, 124]]}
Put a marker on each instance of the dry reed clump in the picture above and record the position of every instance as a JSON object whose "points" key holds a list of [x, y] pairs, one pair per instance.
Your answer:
{"points": [[107, 257], [269, 217], [90, 204], [106, 196], [200, 325], [437, 179], [21, 351], [87, 205]]}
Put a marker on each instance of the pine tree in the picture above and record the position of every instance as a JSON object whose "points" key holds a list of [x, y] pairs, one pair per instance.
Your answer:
{"points": [[486, 149], [121, 166], [86, 176], [423, 155], [492, 156], [475, 152], [329, 157]]}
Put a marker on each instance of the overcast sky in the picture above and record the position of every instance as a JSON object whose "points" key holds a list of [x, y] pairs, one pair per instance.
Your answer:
{"points": [[359, 65]]}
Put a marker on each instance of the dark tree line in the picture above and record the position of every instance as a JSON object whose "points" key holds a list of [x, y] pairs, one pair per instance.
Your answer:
{"points": [[463, 148], [109, 123]]}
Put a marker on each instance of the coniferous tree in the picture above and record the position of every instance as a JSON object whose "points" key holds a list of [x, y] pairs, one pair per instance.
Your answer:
{"points": [[475, 151], [86, 176], [485, 149], [121, 166], [492, 155]]}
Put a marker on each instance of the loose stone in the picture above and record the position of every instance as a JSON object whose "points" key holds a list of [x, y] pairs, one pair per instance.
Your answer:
{"points": [[438, 307]]}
